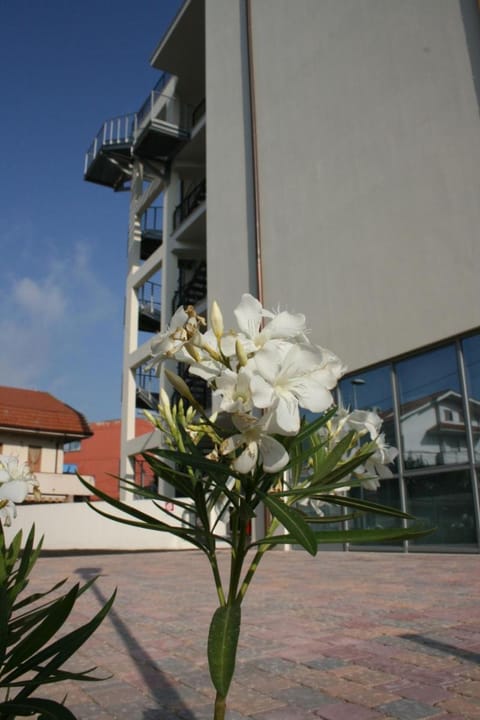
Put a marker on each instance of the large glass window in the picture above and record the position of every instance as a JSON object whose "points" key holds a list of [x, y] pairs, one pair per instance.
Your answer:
{"points": [[443, 501], [387, 494], [431, 410], [471, 356], [372, 390], [437, 414]]}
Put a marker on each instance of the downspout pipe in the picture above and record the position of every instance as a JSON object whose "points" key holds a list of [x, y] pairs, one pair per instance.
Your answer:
{"points": [[254, 149]]}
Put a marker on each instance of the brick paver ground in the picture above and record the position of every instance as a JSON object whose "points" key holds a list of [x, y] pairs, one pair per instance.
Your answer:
{"points": [[343, 636]]}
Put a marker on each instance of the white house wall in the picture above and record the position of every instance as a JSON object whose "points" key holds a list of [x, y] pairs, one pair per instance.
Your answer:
{"points": [[51, 459]]}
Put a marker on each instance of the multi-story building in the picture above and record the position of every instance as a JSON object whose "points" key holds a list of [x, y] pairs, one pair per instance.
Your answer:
{"points": [[339, 143]]}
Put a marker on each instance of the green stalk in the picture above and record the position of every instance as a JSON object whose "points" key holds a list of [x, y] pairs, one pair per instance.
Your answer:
{"points": [[256, 561], [218, 581], [220, 707]]}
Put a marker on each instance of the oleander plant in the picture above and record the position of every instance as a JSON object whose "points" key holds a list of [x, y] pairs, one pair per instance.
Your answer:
{"points": [[257, 454], [33, 650]]}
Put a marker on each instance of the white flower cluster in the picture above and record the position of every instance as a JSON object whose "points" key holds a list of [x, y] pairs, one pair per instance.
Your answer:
{"points": [[262, 375], [365, 424], [16, 481]]}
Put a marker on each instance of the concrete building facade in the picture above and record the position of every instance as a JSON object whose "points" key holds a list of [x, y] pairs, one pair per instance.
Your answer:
{"points": [[337, 143]]}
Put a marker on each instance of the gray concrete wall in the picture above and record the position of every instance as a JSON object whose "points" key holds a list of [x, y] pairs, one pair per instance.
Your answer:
{"points": [[230, 249], [369, 163]]}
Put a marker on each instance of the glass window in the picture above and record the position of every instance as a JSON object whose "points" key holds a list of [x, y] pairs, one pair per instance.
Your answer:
{"points": [[471, 356], [372, 390], [443, 501], [387, 494], [72, 446], [429, 387]]}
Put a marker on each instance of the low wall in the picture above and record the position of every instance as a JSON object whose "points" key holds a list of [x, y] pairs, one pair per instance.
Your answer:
{"points": [[75, 526]]}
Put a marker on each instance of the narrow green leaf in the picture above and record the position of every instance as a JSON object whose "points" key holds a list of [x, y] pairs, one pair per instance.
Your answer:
{"points": [[350, 536], [309, 428], [222, 646], [42, 633], [364, 505], [184, 533], [59, 651], [47, 709], [292, 521]]}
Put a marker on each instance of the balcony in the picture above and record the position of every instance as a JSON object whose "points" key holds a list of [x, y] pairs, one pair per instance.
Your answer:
{"points": [[147, 394], [149, 307], [189, 204], [142, 134], [61, 487], [109, 158], [192, 290], [152, 233]]}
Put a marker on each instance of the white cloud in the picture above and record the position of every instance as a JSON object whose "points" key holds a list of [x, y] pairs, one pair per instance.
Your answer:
{"points": [[53, 319], [44, 300]]}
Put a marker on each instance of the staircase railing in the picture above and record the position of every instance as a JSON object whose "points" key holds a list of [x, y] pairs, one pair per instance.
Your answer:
{"points": [[189, 203]]}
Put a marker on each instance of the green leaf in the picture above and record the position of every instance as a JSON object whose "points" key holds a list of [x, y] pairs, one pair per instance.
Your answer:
{"points": [[364, 505], [181, 481], [212, 468], [47, 709], [222, 646], [184, 533], [42, 633], [59, 651], [350, 536], [309, 428], [292, 521]]}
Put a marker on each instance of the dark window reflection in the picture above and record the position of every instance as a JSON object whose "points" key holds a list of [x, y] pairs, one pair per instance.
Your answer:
{"points": [[387, 494], [443, 501], [471, 356], [431, 410]]}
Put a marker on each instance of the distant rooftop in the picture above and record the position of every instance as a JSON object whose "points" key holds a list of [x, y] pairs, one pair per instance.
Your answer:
{"points": [[32, 410]]}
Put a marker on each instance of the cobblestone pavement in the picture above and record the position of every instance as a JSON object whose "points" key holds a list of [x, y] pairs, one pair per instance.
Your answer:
{"points": [[343, 636]]}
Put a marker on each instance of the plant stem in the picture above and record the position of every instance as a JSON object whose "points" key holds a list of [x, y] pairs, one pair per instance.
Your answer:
{"points": [[220, 707], [256, 561], [218, 581]]}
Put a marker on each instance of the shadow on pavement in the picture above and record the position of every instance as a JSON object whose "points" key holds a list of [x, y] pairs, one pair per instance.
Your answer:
{"points": [[159, 687], [443, 648]]}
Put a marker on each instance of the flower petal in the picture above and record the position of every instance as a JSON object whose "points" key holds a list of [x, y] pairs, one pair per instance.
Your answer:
{"points": [[249, 315], [14, 490], [247, 460], [274, 455]]}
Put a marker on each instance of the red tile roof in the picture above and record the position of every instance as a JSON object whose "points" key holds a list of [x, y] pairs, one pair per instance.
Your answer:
{"points": [[41, 412]]}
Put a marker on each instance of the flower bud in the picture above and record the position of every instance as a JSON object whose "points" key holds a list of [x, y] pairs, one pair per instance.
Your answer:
{"points": [[240, 353], [216, 320]]}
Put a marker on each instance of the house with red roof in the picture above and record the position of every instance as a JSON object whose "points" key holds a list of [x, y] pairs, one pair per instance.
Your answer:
{"points": [[34, 427]]}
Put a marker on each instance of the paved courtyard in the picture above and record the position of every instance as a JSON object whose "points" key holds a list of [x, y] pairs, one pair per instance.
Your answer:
{"points": [[343, 636]]}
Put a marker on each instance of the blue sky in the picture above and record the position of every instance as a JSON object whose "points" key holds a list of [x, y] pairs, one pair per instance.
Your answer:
{"points": [[65, 67]]}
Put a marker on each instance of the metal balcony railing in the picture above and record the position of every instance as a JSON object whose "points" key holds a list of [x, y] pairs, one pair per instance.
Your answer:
{"points": [[117, 131], [149, 298], [150, 101], [126, 130], [152, 219], [147, 388], [189, 203]]}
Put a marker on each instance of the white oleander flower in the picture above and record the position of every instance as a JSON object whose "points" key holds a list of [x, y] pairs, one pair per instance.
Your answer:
{"points": [[16, 481], [234, 390], [184, 328], [258, 444], [250, 316], [292, 376], [376, 467]]}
